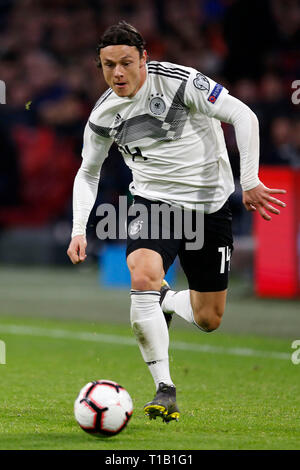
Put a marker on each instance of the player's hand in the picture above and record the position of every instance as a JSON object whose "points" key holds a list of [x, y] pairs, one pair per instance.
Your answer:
{"points": [[76, 250], [260, 199]]}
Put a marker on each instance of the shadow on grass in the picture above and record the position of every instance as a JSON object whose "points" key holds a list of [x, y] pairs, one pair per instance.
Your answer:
{"points": [[61, 441]]}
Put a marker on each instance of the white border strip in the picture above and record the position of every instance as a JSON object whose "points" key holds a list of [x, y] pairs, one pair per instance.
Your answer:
{"points": [[126, 341]]}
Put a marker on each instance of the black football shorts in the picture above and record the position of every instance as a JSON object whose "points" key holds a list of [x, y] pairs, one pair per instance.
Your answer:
{"points": [[203, 243]]}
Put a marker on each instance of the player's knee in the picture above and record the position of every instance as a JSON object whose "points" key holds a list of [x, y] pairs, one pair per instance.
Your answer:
{"points": [[211, 324], [209, 318], [144, 280]]}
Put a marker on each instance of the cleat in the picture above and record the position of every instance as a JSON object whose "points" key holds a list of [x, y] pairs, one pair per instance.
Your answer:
{"points": [[163, 404], [172, 416], [163, 290]]}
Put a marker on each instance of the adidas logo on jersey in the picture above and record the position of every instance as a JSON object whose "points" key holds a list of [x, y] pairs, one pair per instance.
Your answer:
{"points": [[118, 120]]}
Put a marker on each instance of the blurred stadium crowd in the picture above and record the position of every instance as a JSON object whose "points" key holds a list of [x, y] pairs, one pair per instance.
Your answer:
{"points": [[47, 60]]}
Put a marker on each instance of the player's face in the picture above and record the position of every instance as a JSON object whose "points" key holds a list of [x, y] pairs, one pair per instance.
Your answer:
{"points": [[123, 69]]}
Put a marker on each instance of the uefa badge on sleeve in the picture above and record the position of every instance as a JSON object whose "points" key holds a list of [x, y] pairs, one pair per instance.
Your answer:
{"points": [[201, 82], [215, 93]]}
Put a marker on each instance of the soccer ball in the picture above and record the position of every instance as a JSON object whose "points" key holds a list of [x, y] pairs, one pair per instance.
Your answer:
{"points": [[103, 408]]}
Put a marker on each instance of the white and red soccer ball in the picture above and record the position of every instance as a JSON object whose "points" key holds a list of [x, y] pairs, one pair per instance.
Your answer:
{"points": [[103, 408]]}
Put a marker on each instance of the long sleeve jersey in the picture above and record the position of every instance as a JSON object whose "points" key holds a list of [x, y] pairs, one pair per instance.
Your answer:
{"points": [[171, 138]]}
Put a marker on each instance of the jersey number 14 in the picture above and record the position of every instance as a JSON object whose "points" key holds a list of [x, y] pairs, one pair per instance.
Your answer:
{"points": [[137, 153], [225, 257]]}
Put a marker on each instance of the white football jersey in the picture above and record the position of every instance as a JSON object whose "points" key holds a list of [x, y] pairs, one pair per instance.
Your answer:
{"points": [[169, 136]]}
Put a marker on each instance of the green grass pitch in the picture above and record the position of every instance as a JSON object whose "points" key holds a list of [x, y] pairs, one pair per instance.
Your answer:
{"points": [[235, 390]]}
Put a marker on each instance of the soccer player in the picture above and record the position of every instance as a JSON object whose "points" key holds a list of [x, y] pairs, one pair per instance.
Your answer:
{"points": [[165, 119]]}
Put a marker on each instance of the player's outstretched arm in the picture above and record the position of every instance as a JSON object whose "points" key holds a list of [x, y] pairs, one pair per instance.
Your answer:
{"points": [[95, 150], [260, 198], [76, 250]]}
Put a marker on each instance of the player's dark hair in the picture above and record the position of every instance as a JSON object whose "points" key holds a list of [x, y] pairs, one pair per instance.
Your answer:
{"points": [[121, 33]]}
